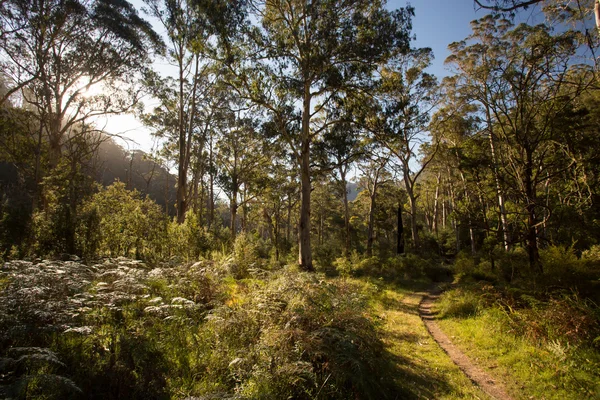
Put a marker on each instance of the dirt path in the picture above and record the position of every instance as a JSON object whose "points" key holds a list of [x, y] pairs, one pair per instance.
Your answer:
{"points": [[492, 387]]}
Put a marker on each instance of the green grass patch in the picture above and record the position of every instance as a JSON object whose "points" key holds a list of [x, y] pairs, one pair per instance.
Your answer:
{"points": [[424, 370], [526, 341]]}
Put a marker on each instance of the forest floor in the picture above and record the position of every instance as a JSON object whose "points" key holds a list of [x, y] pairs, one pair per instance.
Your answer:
{"points": [[426, 370], [489, 384]]}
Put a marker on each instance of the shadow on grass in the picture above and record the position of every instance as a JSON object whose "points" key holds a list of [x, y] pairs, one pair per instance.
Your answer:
{"points": [[416, 382], [395, 304]]}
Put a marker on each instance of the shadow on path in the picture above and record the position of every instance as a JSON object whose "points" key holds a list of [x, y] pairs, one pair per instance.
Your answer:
{"points": [[487, 383]]}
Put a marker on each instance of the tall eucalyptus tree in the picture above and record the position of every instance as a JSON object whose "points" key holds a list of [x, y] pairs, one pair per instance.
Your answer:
{"points": [[305, 53]]}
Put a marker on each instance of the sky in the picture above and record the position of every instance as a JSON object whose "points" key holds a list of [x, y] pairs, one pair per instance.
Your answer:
{"points": [[436, 24]]}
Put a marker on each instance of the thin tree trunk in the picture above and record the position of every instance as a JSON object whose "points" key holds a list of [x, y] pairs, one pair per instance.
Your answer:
{"points": [[435, 203], [181, 170], [321, 228], [400, 244], [211, 188], [532, 246], [370, 236], [276, 233], [244, 210], [499, 191], [289, 220], [304, 249], [38, 173], [233, 210], [444, 214], [346, 213]]}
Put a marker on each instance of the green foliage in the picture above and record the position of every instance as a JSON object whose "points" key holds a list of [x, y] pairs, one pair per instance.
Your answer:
{"points": [[467, 267], [408, 267], [118, 222], [31, 372], [54, 223], [246, 252], [296, 337], [15, 214], [592, 255], [188, 241], [121, 329], [459, 304]]}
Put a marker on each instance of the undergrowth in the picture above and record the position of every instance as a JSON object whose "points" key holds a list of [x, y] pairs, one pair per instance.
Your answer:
{"points": [[547, 344], [215, 329]]}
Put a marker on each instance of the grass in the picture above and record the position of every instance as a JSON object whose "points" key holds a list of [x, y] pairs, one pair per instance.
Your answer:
{"points": [[539, 368], [424, 369]]}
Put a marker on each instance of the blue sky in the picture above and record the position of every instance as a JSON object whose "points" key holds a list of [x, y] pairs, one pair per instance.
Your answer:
{"points": [[437, 23]]}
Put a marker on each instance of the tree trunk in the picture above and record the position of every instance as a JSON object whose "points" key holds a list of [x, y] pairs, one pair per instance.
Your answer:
{"points": [[244, 210], [234, 207], [38, 172], [400, 244], [181, 170], [211, 185], [532, 246], [289, 220], [346, 213], [499, 192], [434, 223], [413, 218], [370, 235], [54, 139], [276, 232], [304, 249]]}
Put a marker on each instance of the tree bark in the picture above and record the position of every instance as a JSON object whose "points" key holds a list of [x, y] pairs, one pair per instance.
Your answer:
{"points": [[234, 207], [532, 246], [181, 170], [304, 249], [400, 244], [499, 191], [370, 236], [434, 223], [211, 185], [346, 212]]}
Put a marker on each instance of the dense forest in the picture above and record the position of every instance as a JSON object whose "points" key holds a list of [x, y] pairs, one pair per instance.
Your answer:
{"points": [[312, 177]]}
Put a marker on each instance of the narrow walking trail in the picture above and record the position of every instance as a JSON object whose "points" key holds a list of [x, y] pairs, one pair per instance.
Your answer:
{"points": [[424, 370], [489, 385]]}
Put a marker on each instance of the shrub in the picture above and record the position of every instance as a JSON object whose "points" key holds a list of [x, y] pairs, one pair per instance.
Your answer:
{"points": [[459, 303], [559, 260], [187, 241], [124, 224], [31, 372], [592, 255], [348, 266], [296, 337], [513, 264]]}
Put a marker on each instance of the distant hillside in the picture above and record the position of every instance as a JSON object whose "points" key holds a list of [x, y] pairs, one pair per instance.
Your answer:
{"points": [[352, 188], [137, 171]]}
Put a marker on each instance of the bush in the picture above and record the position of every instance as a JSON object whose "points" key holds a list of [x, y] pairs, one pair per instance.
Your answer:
{"points": [[118, 222], [295, 337], [246, 255], [592, 255], [397, 268], [559, 260], [558, 316], [325, 257], [459, 303], [187, 241]]}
